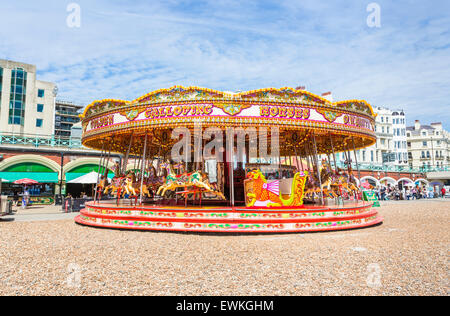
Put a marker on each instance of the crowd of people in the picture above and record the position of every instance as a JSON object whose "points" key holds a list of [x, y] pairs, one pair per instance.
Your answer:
{"points": [[407, 193]]}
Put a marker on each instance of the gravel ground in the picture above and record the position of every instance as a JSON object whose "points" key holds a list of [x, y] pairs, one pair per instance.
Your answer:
{"points": [[407, 255]]}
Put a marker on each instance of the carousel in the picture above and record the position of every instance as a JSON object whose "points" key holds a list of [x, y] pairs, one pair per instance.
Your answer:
{"points": [[202, 160]]}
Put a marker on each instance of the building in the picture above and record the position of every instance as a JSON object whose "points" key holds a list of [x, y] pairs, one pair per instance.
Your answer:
{"points": [[428, 146], [390, 149], [66, 115], [27, 105]]}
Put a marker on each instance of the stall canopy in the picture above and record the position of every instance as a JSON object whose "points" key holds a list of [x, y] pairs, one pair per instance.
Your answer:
{"points": [[90, 178], [26, 182], [40, 177]]}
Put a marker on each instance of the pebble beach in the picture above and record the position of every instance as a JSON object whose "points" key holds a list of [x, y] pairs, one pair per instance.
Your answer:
{"points": [[407, 255]]}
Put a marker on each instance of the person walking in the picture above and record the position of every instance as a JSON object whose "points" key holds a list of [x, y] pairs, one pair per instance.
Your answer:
{"points": [[16, 198], [408, 193], [383, 193], [443, 191]]}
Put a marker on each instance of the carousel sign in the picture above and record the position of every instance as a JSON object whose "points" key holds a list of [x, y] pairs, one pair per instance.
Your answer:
{"points": [[278, 115]]}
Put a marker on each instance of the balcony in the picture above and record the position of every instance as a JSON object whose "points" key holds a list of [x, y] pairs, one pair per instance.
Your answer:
{"points": [[74, 114], [40, 141]]}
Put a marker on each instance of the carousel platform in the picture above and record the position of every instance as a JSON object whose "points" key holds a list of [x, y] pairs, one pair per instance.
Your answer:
{"points": [[229, 220]]}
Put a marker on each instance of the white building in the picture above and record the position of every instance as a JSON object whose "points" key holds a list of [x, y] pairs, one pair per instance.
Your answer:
{"points": [[391, 146], [27, 105], [428, 146]]}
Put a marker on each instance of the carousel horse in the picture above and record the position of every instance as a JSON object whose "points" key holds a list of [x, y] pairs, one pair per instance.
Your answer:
{"points": [[116, 186], [132, 186], [344, 184], [315, 186], [185, 180], [171, 182], [268, 194], [102, 184], [329, 178], [153, 182]]}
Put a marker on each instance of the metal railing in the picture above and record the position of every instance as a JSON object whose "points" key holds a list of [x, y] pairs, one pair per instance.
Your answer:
{"points": [[394, 168], [40, 141]]}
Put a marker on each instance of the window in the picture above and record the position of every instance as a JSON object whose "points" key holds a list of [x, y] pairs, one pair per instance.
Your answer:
{"points": [[17, 97], [41, 93], [423, 154], [1, 82], [40, 108], [39, 122], [382, 119], [428, 154], [425, 144], [371, 155]]}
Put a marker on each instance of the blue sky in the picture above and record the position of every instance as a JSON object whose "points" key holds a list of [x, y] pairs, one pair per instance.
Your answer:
{"points": [[125, 49]]}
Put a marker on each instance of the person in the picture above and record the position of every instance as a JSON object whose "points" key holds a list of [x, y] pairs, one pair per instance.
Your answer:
{"points": [[25, 198], [408, 193], [443, 191], [383, 193], [16, 198]]}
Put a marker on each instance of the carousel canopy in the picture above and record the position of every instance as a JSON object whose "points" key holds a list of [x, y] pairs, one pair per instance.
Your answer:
{"points": [[300, 115]]}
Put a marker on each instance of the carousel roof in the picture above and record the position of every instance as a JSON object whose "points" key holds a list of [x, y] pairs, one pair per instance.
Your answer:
{"points": [[298, 113], [180, 93]]}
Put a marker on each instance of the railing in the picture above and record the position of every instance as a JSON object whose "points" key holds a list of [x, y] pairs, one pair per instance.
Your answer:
{"points": [[67, 113], [39, 141], [394, 168]]}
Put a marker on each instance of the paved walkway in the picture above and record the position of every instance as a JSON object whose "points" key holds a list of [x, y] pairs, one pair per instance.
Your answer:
{"points": [[38, 213]]}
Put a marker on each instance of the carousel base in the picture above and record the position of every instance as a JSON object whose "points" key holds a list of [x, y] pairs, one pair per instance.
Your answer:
{"points": [[227, 219]]}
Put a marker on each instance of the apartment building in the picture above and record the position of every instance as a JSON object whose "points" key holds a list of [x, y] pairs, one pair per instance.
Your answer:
{"points": [[391, 146], [27, 105], [66, 115], [428, 146]]}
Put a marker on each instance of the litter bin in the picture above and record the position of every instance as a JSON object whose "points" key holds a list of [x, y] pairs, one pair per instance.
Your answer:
{"points": [[4, 205]]}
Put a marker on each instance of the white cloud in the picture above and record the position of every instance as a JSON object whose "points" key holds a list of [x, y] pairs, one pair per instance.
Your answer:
{"points": [[123, 51]]}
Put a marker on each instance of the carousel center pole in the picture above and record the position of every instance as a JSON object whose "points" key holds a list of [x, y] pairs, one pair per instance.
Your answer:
{"points": [[125, 160], [334, 154], [143, 169], [98, 171], [318, 171], [296, 159], [356, 161]]}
